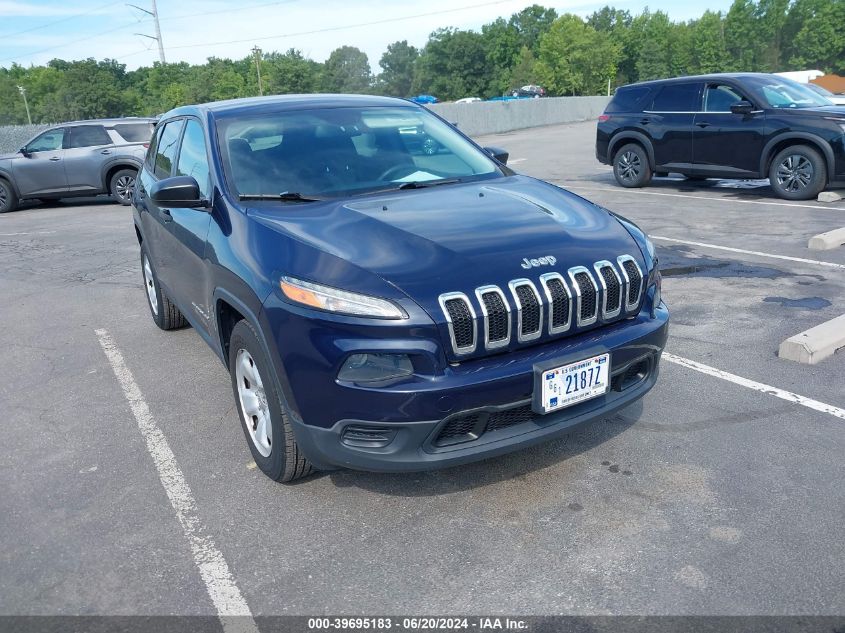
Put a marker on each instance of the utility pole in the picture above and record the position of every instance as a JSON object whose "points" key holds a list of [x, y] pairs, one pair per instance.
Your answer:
{"points": [[256, 52], [22, 90], [157, 37]]}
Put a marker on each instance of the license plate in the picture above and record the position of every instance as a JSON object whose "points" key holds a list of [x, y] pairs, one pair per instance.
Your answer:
{"points": [[575, 382]]}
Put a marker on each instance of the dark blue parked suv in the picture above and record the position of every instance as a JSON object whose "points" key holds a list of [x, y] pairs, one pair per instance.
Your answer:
{"points": [[382, 307]]}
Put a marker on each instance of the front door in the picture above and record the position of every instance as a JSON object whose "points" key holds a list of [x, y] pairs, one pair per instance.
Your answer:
{"points": [[724, 143], [41, 170], [669, 124]]}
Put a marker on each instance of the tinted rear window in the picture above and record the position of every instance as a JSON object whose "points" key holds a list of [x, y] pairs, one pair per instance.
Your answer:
{"points": [[678, 98], [627, 100], [134, 132]]}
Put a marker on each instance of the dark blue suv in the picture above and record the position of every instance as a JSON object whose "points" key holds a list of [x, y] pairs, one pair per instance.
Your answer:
{"points": [[383, 307]]}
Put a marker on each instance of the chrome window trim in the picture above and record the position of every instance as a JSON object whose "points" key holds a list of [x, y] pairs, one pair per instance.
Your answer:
{"points": [[513, 285], [442, 299], [598, 266], [544, 279], [479, 294], [571, 274], [631, 307]]}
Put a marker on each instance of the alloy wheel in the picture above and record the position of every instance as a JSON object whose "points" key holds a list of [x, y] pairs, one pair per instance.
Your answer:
{"points": [[795, 172], [149, 282], [253, 402], [629, 166], [123, 186], [4, 195]]}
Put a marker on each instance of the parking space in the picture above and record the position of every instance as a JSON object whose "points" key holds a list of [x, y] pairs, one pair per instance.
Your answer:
{"points": [[708, 497]]}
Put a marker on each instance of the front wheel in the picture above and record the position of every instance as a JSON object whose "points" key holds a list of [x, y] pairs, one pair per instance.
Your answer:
{"points": [[164, 312], [798, 173], [121, 185], [263, 412], [630, 166]]}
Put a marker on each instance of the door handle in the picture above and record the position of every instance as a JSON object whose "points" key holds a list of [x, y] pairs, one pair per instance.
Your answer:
{"points": [[702, 124], [106, 151], [645, 121], [55, 158]]}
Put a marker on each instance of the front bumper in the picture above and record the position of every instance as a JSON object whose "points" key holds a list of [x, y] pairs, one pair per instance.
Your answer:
{"points": [[494, 389]]}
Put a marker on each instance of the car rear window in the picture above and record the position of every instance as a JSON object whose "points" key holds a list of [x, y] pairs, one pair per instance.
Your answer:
{"points": [[678, 98], [88, 136], [134, 132], [627, 99]]}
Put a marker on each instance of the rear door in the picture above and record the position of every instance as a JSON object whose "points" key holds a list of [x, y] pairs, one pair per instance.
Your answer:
{"points": [[724, 143], [88, 149], [42, 170], [669, 123]]}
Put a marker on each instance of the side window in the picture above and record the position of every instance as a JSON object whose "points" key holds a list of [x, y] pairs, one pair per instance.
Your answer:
{"points": [[626, 99], [676, 97], [193, 160], [134, 132], [88, 136], [720, 98], [50, 141], [149, 159], [168, 142]]}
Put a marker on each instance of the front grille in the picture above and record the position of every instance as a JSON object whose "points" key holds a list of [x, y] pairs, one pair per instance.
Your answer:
{"points": [[530, 309], [635, 281], [588, 296], [565, 303], [458, 429], [498, 318], [612, 290], [509, 417], [462, 322], [471, 426]]}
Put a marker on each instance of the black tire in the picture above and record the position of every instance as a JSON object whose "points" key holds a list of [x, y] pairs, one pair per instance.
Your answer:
{"points": [[631, 167], [285, 461], [8, 198], [165, 314], [798, 173], [121, 184]]}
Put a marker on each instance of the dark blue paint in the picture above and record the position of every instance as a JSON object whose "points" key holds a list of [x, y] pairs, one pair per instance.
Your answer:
{"points": [[409, 247]]}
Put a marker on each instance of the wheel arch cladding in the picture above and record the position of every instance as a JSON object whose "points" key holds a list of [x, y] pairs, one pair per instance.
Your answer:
{"points": [[790, 139], [624, 138], [112, 169]]}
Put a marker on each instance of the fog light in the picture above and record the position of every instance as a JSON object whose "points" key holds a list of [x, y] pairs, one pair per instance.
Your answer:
{"points": [[367, 437], [375, 367]]}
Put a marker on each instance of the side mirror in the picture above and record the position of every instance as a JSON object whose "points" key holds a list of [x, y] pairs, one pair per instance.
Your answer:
{"points": [[742, 107], [177, 192], [499, 154], [25, 153]]}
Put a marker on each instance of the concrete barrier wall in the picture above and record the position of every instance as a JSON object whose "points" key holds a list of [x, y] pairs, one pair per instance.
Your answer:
{"points": [[492, 117], [13, 137]]}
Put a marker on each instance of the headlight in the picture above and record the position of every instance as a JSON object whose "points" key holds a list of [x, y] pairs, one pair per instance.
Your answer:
{"points": [[336, 300]]}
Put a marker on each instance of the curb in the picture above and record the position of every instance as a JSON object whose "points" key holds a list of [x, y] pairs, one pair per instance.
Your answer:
{"points": [[816, 344]]}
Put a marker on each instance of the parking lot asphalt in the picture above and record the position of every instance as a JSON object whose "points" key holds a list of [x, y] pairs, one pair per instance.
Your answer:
{"points": [[708, 497]]}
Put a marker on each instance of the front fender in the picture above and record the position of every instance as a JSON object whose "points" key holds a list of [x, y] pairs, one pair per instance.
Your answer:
{"points": [[815, 140]]}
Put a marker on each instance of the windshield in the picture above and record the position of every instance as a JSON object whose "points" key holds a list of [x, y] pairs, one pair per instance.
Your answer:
{"points": [[822, 91], [785, 93], [333, 152]]}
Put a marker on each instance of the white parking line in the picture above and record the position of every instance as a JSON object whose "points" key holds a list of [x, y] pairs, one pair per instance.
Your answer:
{"points": [[27, 233], [731, 249], [513, 161], [708, 198], [757, 386], [214, 570]]}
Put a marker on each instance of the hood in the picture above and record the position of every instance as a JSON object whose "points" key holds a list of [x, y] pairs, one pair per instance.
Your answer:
{"points": [[455, 238], [834, 110]]}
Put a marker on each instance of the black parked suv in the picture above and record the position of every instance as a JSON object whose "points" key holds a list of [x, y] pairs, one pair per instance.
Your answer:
{"points": [[747, 125]]}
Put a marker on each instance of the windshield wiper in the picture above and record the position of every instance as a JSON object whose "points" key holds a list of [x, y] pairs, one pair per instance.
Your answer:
{"points": [[285, 196], [422, 184]]}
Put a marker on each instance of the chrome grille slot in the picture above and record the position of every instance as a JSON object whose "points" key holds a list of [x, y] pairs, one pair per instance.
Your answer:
{"points": [[633, 279], [460, 318], [611, 286], [497, 316], [586, 294], [559, 300], [529, 309]]}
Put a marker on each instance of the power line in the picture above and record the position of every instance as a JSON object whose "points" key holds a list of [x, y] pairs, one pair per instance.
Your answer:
{"points": [[344, 27], [67, 19], [157, 37], [83, 39]]}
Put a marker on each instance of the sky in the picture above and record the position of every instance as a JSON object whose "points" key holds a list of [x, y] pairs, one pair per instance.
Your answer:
{"points": [[36, 31]]}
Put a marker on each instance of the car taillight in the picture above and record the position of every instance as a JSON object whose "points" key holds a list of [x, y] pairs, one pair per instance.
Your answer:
{"points": [[604, 117]]}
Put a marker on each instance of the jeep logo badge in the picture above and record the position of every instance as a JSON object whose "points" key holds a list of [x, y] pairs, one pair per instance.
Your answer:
{"points": [[540, 261]]}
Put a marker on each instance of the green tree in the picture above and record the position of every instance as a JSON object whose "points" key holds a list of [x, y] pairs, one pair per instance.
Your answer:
{"points": [[347, 70], [742, 36], [453, 65], [501, 42], [654, 58], [525, 70], [290, 73], [397, 63], [531, 23], [575, 59], [820, 42], [708, 42]]}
